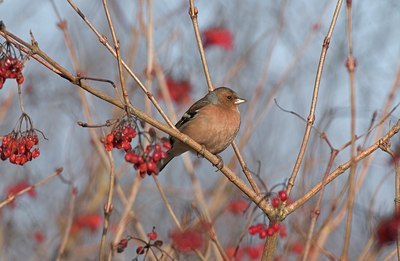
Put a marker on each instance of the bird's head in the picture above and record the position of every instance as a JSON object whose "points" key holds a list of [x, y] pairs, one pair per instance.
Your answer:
{"points": [[226, 97]]}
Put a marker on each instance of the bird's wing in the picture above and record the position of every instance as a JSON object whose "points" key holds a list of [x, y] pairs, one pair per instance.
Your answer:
{"points": [[191, 113]]}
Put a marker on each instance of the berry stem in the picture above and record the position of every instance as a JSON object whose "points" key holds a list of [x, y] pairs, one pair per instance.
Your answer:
{"points": [[21, 101]]}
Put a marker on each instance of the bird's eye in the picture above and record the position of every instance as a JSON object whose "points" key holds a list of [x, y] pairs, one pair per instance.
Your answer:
{"points": [[229, 97]]}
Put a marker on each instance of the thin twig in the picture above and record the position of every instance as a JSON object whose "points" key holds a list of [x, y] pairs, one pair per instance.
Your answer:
{"points": [[127, 209], [107, 208], [317, 209], [311, 117], [104, 41], [341, 169], [386, 147], [166, 202], [193, 11], [11, 197], [246, 171], [117, 53], [353, 167], [98, 80], [170, 210], [67, 231], [150, 53]]}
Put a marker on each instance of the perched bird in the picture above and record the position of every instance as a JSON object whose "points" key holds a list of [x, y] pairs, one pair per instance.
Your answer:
{"points": [[213, 121]]}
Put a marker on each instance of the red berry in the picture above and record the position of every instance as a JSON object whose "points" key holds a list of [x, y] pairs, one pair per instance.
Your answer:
{"points": [[125, 131], [126, 145], [131, 157], [167, 144], [253, 230], [29, 144], [18, 160], [143, 168], [157, 147], [275, 227], [108, 146], [20, 79], [35, 153], [35, 139], [151, 166], [24, 159], [262, 234], [132, 132], [148, 149], [140, 250], [21, 148], [122, 245], [275, 202], [140, 160], [110, 138], [7, 152], [12, 158], [259, 227], [283, 195], [152, 235], [270, 231], [156, 156]]}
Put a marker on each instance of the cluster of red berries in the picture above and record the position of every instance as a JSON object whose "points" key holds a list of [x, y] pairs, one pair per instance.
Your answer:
{"points": [[20, 146], [269, 231], [120, 138], [10, 65], [277, 201], [19, 149], [266, 231], [144, 159], [140, 250]]}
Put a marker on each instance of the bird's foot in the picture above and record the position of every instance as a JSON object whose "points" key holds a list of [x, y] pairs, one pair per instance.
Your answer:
{"points": [[201, 152], [220, 163]]}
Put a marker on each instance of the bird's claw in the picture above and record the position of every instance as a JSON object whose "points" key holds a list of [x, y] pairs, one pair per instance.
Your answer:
{"points": [[220, 163], [201, 152]]}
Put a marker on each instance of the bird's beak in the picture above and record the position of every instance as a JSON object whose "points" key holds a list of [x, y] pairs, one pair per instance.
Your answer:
{"points": [[239, 101]]}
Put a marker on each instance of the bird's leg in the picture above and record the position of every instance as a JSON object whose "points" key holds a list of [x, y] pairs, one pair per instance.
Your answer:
{"points": [[220, 163]]}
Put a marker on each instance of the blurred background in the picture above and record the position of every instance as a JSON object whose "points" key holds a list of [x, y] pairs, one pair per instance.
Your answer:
{"points": [[264, 50]]}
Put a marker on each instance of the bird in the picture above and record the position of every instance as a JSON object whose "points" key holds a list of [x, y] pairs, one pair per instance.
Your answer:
{"points": [[213, 122]]}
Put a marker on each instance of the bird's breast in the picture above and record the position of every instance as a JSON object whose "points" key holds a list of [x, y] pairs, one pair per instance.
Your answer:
{"points": [[214, 128]]}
